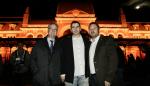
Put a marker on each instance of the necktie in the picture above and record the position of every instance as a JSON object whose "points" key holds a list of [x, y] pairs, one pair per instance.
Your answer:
{"points": [[51, 45]]}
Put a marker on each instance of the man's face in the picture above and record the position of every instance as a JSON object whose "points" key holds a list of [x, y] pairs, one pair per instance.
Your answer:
{"points": [[52, 30], [20, 46], [75, 28], [93, 30]]}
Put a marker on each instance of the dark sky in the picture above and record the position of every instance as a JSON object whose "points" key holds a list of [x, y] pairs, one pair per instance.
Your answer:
{"points": [[104, 9]]}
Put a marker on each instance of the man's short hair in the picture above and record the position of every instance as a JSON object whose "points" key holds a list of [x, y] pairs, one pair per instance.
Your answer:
{"points": [[74, 22], [52, 24], [20, 44], [95, 24]]}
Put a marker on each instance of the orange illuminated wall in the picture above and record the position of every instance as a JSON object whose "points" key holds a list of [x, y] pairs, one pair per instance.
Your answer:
{"points": [[38, 29]]}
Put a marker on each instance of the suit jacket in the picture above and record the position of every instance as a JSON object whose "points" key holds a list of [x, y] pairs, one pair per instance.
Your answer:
{"points": [[105, 60], [45, 66], [67, 58]]}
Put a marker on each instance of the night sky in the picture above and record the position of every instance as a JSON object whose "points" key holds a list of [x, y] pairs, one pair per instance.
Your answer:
{"points": [[104, 9]]}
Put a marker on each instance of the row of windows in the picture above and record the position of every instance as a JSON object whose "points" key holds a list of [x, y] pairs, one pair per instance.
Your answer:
{"points": [[29, 36], [119, 36], [42, 36]]}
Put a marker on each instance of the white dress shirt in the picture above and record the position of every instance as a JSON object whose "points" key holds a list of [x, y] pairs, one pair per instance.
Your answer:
{"points": [[49, 43], [79, 60], [92, 53]]}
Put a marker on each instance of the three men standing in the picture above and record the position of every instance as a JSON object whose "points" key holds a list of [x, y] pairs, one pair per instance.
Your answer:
{"points": [[73, 58]]}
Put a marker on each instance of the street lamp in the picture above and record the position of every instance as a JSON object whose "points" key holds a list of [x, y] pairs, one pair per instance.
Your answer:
{"points": [[137, 7]]}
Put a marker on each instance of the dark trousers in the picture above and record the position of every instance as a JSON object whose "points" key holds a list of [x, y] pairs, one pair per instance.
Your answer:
{"points": [[18, 79], [93, 80]]}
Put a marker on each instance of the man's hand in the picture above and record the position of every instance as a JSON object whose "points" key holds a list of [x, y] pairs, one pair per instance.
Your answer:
{"points": [[107, 83], [62, 76]]}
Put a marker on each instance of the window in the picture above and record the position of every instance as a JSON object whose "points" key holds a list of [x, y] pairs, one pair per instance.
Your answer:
{"points": [[120, 36]]}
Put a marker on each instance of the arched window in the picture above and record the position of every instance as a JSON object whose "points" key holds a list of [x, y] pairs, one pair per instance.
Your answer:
{"points": [[40, 36], [30, 36], [111, 35], [120, 36]]}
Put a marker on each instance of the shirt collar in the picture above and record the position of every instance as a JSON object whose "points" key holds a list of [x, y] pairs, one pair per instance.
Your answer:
{"points": [[50, 39], [96, 39]]}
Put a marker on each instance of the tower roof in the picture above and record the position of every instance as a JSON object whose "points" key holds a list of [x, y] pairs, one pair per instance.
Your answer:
{"points": [[66, 6]]}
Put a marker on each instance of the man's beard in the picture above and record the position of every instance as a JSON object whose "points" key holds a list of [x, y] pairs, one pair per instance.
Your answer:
{"points": [[94, 36]]}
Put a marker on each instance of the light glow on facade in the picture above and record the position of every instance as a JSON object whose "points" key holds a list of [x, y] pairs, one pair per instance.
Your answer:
{"points": [[120, 29]]}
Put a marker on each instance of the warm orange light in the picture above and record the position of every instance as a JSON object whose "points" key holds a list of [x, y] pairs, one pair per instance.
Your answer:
{"points": [[39, 29]]}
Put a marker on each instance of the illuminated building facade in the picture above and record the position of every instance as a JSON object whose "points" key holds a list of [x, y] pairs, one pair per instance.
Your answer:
{"points": [[25, 28]]}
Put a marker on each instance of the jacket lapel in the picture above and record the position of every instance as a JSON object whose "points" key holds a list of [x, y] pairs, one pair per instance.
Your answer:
{"points": [[55, 44], [97, 50], [85, 41], [71, 46], [46, 44], [47, 49], [86, 45]]}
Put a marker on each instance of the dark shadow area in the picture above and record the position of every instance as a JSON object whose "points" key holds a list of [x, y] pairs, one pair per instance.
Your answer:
{"points": [[130, 72]]}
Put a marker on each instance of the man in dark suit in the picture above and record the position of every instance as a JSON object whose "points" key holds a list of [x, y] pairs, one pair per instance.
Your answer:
{"points": [[45, 59], [102, 57], [74, 58]]}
